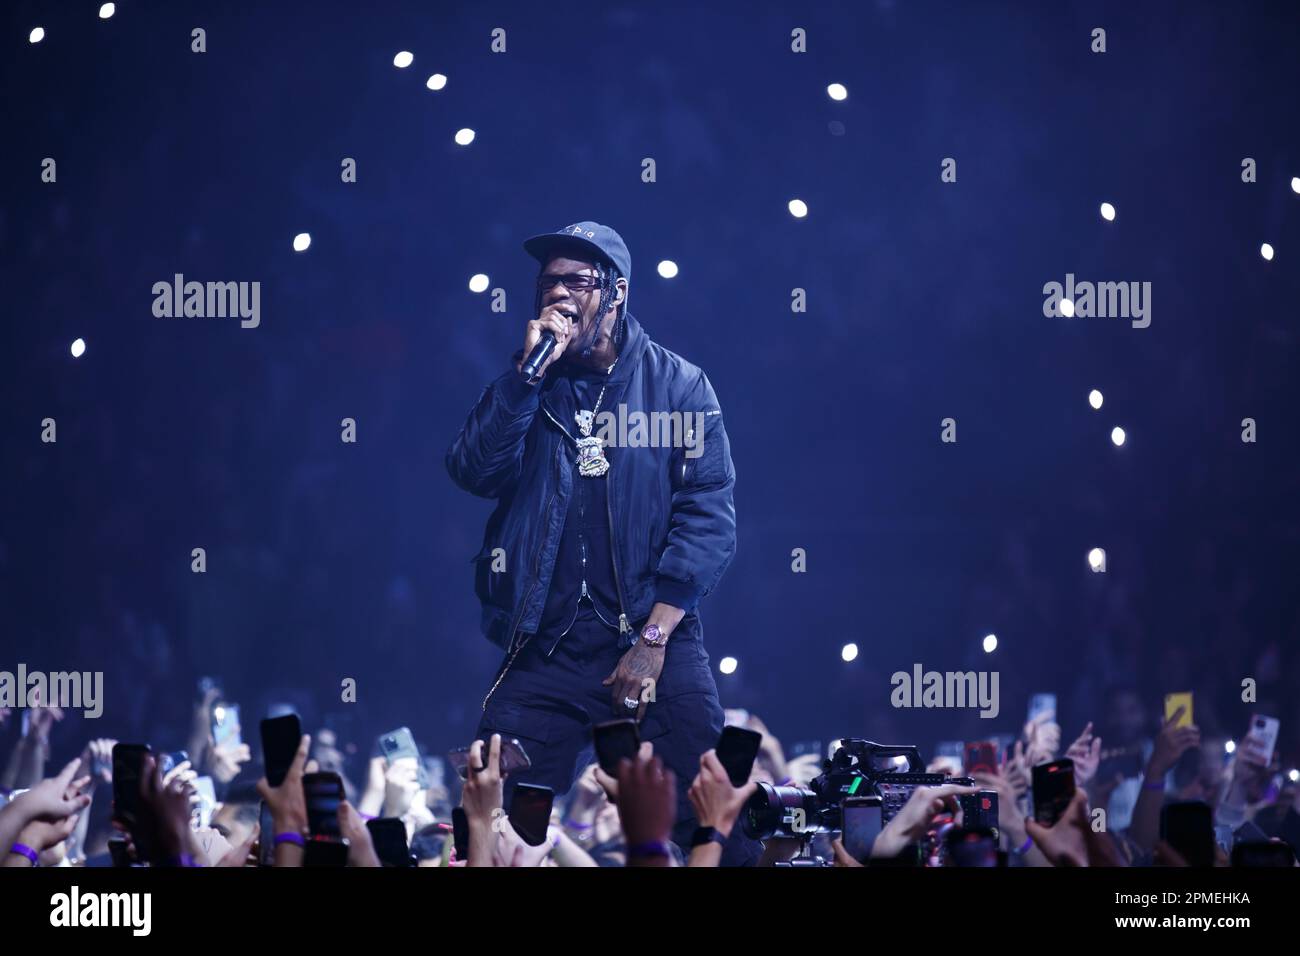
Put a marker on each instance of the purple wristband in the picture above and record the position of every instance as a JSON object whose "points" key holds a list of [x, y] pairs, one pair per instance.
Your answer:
{"points": [[1158, 785], [22, 849], [290, 837], [1024, 847], [184, 859], [651, 848]]}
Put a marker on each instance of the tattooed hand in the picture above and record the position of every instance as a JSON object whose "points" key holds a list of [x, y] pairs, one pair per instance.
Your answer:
{"points": [[636, 671]]}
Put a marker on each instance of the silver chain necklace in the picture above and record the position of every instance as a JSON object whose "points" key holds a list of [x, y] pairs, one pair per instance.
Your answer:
{"points": [[592, 462]]}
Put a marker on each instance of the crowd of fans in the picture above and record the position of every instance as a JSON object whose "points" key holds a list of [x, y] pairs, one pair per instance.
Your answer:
{"points": [[213, 804]]}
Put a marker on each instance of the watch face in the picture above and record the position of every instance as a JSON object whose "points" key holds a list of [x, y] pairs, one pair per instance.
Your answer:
{"points": [[651, 634]]}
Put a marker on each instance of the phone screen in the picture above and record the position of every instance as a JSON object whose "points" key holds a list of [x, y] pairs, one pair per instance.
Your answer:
{"points": [[862, 823], [1053, 789], [1173, 702], [128, 767], [460, 833], [1188, 828], [530, 812], [389, 837], [614, 741], [736, 750], [225, 725], [280, 739], [982, 757], [323, 793]]}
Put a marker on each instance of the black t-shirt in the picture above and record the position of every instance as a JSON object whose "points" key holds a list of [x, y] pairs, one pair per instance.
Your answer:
{"points": [[585, 556]]}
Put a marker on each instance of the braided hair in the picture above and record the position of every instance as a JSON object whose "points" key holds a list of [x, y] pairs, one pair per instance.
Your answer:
{"points": [[608, 273]]}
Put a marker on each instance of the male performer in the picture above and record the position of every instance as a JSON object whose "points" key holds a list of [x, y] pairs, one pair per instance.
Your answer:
{"points": [[596, 557]]}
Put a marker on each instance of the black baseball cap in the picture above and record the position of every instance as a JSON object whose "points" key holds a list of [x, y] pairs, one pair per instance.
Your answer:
{"points": [[599, 240]]}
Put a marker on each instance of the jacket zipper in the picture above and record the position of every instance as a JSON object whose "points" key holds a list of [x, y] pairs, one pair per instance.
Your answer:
{"points": [[514, 630], [623, 626]]}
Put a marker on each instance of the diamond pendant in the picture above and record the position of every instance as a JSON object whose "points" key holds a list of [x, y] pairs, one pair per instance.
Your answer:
{"points": [[592, 462]]}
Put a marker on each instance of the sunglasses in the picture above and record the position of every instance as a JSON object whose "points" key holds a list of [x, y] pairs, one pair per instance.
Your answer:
{"points": [[574, 282]]}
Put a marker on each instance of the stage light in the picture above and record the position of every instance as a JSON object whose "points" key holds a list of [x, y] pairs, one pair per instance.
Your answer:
{"points": [[37, 35], [436, 82], [478, 283], [1295, 184], [798, 208], [667, 269], [728, 665], [464, 137], [107, 10], [1067, 308], [403, 59], [1230, 747], [836, 91], [1117, 436], [1107, 212], [1293, 775], [1094, 398], [849, 652], [301, 242], [78, 348], [990, 643], [1097, 560], [1266, 251]]}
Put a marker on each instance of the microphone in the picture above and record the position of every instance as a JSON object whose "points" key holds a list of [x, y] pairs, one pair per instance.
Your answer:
{"points": [[541, 351]]}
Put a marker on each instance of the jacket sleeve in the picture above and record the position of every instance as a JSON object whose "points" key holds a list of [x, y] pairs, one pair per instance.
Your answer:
{"points": [[702, 533], [486, 457]]}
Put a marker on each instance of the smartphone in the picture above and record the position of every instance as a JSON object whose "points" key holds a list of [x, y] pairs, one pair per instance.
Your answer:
{"points": [[614, 740], [225, 725], [117, 851], [128, 770], [736, 750], [401, 743], [513, 758], [460, 833], [861, 818], [170, 761], [323, 793], [979, 811], [265, 836], [1257, 853], [530, 812], [207, 793], [1181, 699], [280, 739], [1053, 788], [971, 846], [1188, 828], [388, 834], [1041, 704], [981, 757], [1257, 746]]}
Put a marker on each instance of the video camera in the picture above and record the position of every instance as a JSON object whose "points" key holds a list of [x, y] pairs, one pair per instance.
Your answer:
{"points": [[858, 768]]}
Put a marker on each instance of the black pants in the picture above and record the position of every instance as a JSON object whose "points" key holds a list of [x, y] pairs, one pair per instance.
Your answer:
{"points": [[550, 705]]}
